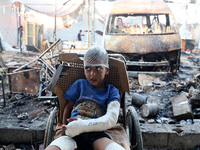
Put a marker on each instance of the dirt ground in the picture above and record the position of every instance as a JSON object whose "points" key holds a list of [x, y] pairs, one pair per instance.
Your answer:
{"points": [[35, 112]]}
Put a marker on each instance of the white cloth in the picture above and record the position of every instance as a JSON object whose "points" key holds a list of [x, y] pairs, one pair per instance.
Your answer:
{"points": [[105, 122], [114, 146], [64, 143]]}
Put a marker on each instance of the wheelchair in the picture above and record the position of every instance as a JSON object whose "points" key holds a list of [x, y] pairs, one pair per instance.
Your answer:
{"points": [[69, 70]]}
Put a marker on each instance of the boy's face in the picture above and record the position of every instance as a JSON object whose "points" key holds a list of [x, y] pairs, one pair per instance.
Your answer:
{"points": [[96, 75]]}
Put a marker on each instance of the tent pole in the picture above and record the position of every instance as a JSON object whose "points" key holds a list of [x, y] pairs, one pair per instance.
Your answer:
{"points": [[55, 22], [92, 32], [54, 35], [88, 22], [20, 28]]}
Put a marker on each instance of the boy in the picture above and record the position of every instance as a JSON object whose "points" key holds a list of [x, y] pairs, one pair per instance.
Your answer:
{"points": [[79, 36], [92, 107]]}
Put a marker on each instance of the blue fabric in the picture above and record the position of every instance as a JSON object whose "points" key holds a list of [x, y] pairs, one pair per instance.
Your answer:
{"points": [[82, 90]]}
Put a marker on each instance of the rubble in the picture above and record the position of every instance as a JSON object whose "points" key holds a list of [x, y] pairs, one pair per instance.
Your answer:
{"points": [[23, 109], [160, 131]]}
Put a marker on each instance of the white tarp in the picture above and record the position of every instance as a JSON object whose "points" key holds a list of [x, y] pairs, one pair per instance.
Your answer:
{"points": [[8, 25], [44, 12], [48, 6], [36, 11]]}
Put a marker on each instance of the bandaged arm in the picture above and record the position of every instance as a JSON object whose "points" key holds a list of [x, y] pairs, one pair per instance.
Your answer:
{"points": [[98, 124]]}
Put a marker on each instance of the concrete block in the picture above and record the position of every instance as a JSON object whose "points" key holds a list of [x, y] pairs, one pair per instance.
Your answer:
{"points": [[154, 135], [145, 81], [170, 136], [181, 107], [186, 141], [16, 135]]}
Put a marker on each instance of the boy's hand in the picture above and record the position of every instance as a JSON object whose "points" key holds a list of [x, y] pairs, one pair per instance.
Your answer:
{"points": [[71, 119]]}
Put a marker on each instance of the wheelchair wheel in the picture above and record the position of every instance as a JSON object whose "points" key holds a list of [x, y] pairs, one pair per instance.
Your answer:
{"points": [[133, 129], [50, 128]]}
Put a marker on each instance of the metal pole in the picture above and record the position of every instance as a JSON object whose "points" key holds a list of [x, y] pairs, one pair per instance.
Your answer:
{"points": [[88, 22], [20, 28], [49, 66], [55, 21], [186, 15], [3, 91], [92, 36], [38, 57]]}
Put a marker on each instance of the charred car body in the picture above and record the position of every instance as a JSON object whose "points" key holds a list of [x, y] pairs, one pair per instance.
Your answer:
{"points": [[143, 31]]}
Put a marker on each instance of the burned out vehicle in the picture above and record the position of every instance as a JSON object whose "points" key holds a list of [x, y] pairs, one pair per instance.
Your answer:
{"points": [[145, 32]]}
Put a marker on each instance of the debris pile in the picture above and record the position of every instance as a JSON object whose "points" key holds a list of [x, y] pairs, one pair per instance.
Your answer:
{"points": [[24, 102], [168, 110], [166, 99]]}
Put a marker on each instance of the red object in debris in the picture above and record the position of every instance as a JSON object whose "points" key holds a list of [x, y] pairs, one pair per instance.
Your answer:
{"points": [[188, 50]]}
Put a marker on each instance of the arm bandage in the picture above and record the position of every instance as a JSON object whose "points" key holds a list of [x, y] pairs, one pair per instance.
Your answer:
{"points": [[98, 124]]}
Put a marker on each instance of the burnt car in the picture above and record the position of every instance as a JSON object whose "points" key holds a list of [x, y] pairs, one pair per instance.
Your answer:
{"points": [[145, 33]]}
